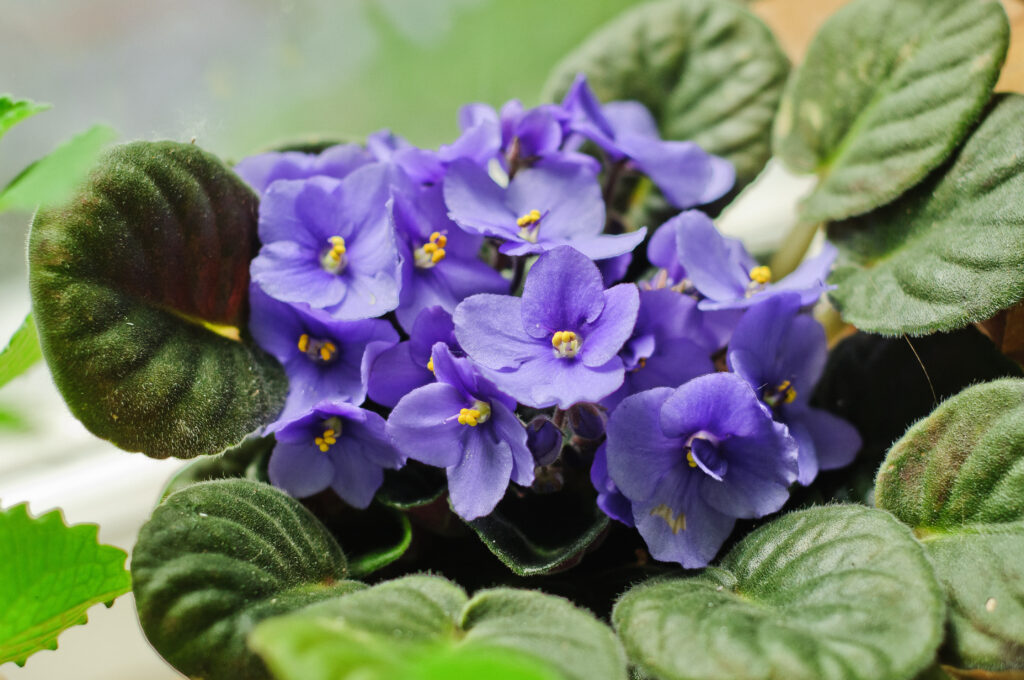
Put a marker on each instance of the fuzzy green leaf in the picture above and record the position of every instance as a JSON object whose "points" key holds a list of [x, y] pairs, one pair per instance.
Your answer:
{"points": [[957, 477], [21, 353], [415, 626], [50, 575], [831, 593], [887, 90], [139, 291], [951, 251], [13, 111], [218, 557], [248, 460], [710, 71]]}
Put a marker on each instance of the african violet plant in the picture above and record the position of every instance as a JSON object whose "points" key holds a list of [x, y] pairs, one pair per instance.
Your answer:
{"points": [[480, 411]]}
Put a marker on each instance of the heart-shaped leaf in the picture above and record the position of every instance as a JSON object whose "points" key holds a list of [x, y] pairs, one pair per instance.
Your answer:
{"points": [[414, 626], [50, 574], [831, 593], [957, 477], [886, 91], [951, 251], [709, 71], [218, 557], [130, 281]]}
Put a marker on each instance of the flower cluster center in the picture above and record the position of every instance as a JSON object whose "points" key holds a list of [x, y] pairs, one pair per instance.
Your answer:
{"points": [[332, 430], [318, 351], [479, 413], [783, 393], [333, 260], [431, 252], [529, 224], [566, 344]]}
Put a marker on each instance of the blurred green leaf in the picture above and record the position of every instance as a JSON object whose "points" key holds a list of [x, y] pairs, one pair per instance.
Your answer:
{"points": [[52, 179], [21, 353], [50, 575], [13, 111]]}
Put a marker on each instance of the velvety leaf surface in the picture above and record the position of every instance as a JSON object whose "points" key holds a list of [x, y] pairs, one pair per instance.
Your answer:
{"points": [[830, 593], [13, 111], [218, 557], [957, 477], [248, 460], [50, 574], [887, 90], [710, 71], [129, 279], [951, 251], [21, 353]]}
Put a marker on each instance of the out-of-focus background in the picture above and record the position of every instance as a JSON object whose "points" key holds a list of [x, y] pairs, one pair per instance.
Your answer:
{"points": [[239, 76]]}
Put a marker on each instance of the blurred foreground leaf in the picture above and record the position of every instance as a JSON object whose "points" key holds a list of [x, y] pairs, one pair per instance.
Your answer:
{"points": [[21, 352]]}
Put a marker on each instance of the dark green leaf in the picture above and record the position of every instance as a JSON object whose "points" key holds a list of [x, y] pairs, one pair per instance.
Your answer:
{"points": [[886, 91], [138, 285], [50, 574], [414, 485], [709, 71], [218, 557], [248, 460], [21, 353], [957, 477], [832, 593], [951, 251], [13, 111]]}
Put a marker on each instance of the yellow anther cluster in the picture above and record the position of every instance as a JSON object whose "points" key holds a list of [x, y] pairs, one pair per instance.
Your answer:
{"points": [[566, 344], [333, 260], [432, 251], [761, 274], [337, 247], [324, 349], [469, 416], [562, 337], [304, 342], [430, 364], [689, 459], [327, 350], [786, 391], [530, 218], [324, 442]]}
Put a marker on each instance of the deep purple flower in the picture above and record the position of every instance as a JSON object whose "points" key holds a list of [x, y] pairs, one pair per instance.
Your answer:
{"points": [[609, 498], [549, 205], [694, 459], [626, 131], [398, 370], [262, 170], [440, 264], [728, 277], [334, 445], [559, 343], [324, 359], [781, 354], [329, 244], [464, 424]]}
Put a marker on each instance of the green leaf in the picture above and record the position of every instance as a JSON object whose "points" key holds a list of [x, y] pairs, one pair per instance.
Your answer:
{"points": [[248, 460], [709, 71], [417, 626], [830, 593], [218, 557], [50, 575], [13, 111], [957, 477], [139, 290], [53, 179], [951, 251], [412, 486], [21, 353], [887, 90]]}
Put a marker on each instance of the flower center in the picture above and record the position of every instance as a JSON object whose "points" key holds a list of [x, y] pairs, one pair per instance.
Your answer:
{"points": [[566, 344], [431, 252], [529, 225], [319, 351], [759, 278], [332, 430], [783, 393], [702, 452], [333, 260], [480, 413]]}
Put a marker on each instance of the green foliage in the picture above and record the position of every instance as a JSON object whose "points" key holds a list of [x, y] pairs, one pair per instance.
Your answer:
{"points": [[886, 91], [21, 353], [425, 626], [218, 557], [50, 575], [951, 251], [957, 477], [248, 460], [710, 71], [831, 593], [135, 285], [13, 111]]}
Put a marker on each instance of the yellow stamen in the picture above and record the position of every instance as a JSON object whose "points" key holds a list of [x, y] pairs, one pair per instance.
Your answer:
{"points": [[432, 252], [675, 522], [761, 274], [689, 459], [530, 218], [333, 260], [566, 344], [480, 413], [332, 428], [430, 364], [327, 350], [787, 391], [303, 342], [337, 245]]}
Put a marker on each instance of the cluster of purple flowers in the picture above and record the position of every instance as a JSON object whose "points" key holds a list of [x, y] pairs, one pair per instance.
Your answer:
{"points": [[460, 287]]}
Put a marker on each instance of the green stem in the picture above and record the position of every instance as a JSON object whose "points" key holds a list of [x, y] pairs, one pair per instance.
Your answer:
{"points": [[793, 249]]}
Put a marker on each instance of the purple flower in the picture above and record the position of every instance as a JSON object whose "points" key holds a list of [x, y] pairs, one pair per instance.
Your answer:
{"points": [[626, 131], [420, 165], [323, 358], [480, 140], [440, 264], [693, 459], [334, 445], [465, 424], [549, 205], [264, 169], [559, 343], [609, 498], [544, 440], [329, 244], [781, 354], [400, 369], [728, 277]]}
